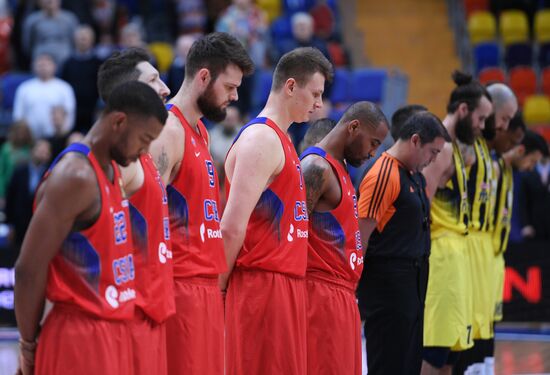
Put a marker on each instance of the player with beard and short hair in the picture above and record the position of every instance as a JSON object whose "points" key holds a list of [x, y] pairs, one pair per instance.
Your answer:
{"points": [[214, 70], [448, 312], [335, 258], [78, 250]]}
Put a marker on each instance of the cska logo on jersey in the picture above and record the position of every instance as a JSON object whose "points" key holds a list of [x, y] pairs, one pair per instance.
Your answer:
{"points": [[121, 234], [210, 172]]}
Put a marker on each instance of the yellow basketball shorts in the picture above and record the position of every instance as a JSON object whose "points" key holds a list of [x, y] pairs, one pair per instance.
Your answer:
{"points": [[500, 270], [482, 265], [448, 310]]}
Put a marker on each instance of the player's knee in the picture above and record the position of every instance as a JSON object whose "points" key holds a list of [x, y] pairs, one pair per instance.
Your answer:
{"points": [[439, 356]]}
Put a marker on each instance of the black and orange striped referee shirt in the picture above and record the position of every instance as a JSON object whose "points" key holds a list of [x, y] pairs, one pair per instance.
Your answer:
{"points": [[396, 199]]}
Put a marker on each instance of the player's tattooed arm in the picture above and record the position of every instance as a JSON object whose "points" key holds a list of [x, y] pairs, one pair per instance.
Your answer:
{"points": [[468, 153], [314, 170], [162, 161]]}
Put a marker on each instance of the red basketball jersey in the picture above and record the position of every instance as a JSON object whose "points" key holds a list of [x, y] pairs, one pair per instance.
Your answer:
{"points": [[276, 236], [94, 269], [153, 250], [193, 201], [334, 246]]}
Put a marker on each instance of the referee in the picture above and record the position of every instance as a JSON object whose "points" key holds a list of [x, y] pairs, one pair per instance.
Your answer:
{"points": [[394, 213]]}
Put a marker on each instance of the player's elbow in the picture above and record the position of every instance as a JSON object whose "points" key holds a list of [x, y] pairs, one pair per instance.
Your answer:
{"points": [[232, 230]]}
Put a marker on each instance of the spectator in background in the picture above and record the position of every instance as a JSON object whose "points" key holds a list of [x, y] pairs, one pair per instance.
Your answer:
{"points": [[49, 30], [15, 151], [35, 99], [303, 36], [80, 71], [222, 136], [176, 72], [531, 203], [131, 36], [248, 23], [23, 184], [58, 141], [192, 16]]}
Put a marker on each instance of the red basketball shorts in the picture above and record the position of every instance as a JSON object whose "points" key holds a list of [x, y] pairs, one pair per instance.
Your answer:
{"points": [[148, 345], [333, 330], [72, 342], [195, 334], [265, 324]]}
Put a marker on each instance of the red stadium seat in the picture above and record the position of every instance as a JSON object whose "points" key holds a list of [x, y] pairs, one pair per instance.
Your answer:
{"points": [[546, 81], [523, 80], [471, 6], [492, 74]]}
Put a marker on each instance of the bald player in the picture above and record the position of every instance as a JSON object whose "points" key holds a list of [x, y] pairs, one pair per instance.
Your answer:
{"points": [[78, 249], [335, 257], [150, 225], [265, 226], [448, 312], [483, 180], [214, 70]]}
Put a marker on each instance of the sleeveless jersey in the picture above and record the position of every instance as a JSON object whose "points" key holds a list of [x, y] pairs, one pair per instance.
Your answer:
{"points": [[449, 208], [277, 232], [151, 237], [503, 207], [193, 201], [480, 188], [334, 245], [94, 269]]}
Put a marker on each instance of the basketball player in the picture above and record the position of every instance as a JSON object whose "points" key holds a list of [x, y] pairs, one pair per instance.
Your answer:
{"points": [[335, 258], [265, 226], [316, 132], [213, 71], [394, 225], [150, 225], [482, 180], [78, 252], [448, 310]]}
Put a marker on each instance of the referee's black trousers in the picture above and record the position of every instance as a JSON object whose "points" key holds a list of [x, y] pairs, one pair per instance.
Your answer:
{"points": [[394, 294]]}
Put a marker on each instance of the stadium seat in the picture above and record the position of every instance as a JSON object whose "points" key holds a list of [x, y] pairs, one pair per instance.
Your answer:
{"points": [[9, 83], [471, 6], [536, 110], [489, 75], [545, 81], [293, 6], [481, 27], [544, 55], [513, 26], [518, 54], [523, 81], [272, 8], [486, 54], [542, 26], [368, 84], [262, 87], [164, 54], [281, 28], [340, 86]]}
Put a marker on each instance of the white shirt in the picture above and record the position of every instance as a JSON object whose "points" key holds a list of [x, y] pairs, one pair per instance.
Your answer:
{"points": [[35, 100]]}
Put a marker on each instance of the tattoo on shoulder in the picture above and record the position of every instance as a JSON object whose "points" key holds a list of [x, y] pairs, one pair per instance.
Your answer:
{"points": [[162, 161], [313, 178]]}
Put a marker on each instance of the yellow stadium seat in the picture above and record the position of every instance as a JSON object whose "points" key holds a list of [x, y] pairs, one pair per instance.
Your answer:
{"points": [[271, 7], [164, 54], [514, 27], [536, 110], [481, 27], [542, 26]]}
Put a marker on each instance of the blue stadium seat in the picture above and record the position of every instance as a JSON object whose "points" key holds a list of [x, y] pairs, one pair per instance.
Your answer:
{"points": [[8, 84], [293, 6], [281, 28], [518, 54], [262, 87], [544, 55], [368, 84], [486, 55], [340, 86]]}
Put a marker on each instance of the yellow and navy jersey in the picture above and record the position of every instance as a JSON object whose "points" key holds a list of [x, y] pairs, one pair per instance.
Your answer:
{"points": [[503, 207], [449, 210], [481, 188]]}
